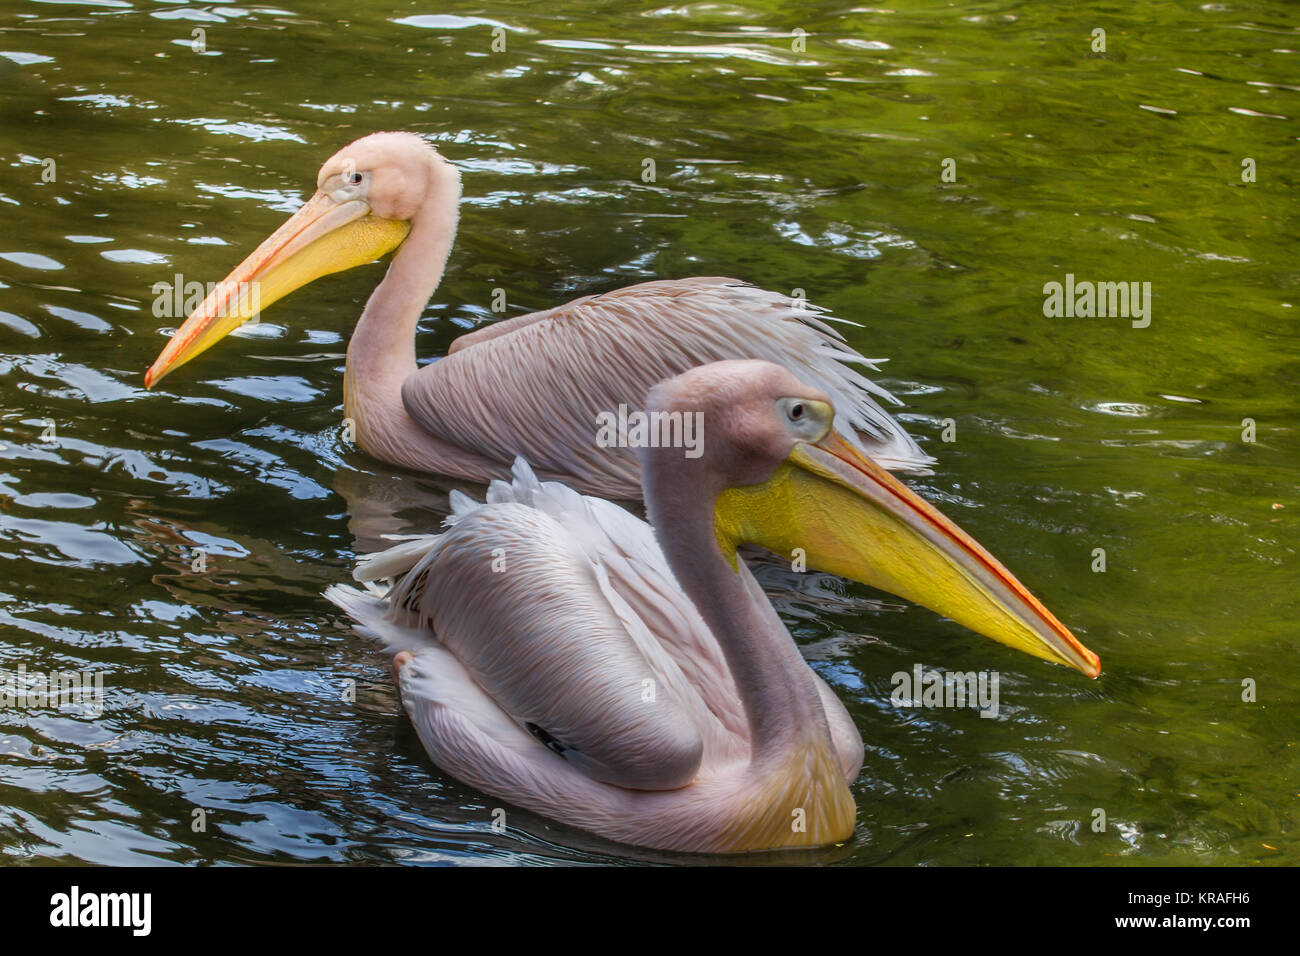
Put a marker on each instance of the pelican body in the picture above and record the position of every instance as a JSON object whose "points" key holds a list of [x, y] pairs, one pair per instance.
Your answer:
{"points": [[630, 678], [531, 385]]}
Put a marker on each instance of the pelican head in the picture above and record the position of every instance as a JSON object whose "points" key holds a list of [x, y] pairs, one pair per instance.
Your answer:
{"points": [[369, 196], [780, 476]]}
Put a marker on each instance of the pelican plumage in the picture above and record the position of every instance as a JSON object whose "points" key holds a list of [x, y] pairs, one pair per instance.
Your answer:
{"points": [[631, 679], [532, 385]]}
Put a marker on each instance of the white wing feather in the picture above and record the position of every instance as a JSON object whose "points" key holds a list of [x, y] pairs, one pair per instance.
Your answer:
{"points": [[631, 622], [534, 385]]}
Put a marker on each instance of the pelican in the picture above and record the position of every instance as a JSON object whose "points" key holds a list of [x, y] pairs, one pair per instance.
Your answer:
{"points": [[631, 679], [533, 385]]}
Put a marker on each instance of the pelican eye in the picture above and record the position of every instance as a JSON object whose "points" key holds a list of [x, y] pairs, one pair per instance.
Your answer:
{"points": [[355, 179], [805, 418]]}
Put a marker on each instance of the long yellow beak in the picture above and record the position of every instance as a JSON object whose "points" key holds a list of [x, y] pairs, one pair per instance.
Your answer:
{"points": [[854, 519], [323, 236]]}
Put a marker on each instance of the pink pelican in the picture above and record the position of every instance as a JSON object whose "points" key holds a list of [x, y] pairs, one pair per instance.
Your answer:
{"points": [[631, 679], [532, 385]]}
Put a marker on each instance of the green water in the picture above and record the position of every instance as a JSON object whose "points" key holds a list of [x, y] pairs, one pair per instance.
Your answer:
{"points": [[817, 169]]}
